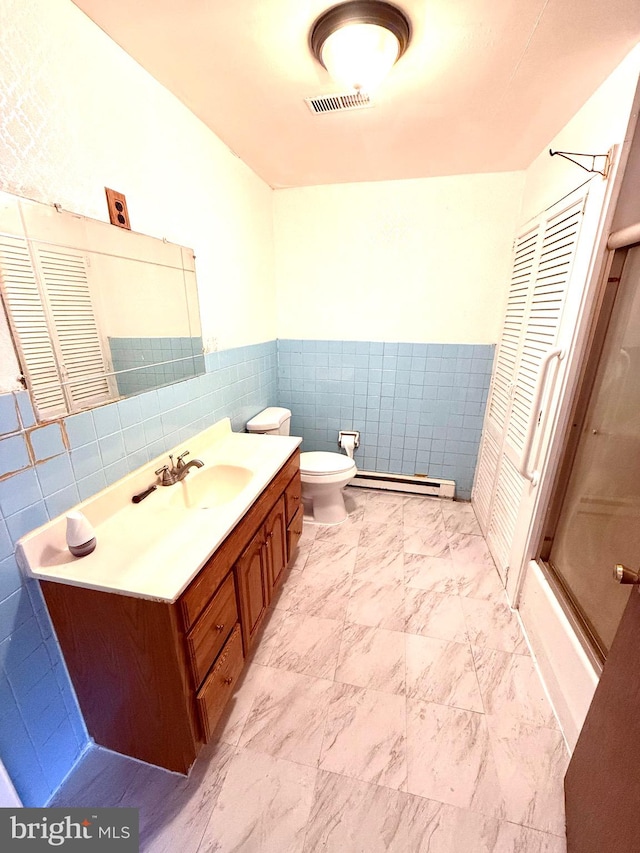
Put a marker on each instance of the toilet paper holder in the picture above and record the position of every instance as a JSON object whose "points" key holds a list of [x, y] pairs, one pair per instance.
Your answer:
{"points": [[351, 433]]}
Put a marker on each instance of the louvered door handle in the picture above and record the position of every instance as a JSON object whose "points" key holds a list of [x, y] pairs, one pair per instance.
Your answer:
{"points": [[525, 461]]}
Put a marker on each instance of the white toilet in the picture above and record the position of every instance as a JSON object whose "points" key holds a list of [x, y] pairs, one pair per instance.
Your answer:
{"points": [[323, 474]]}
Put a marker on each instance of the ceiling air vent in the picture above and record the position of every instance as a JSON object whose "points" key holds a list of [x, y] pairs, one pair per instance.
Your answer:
{"points": [[339, 103]]}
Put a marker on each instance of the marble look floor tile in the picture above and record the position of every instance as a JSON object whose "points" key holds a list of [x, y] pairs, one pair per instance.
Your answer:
{"points": [[460, 518], [287, 716], [263, 806], [308, 645], [479, 580], [430, 540], [450, 758], [531, 763], [494, 625], [377, 606], [372, 658], [101, 777], [520, 839], [349, 816], [356, 500], [384, 508], [433, 574], [511, 688], [253, 680], [423, 512], [365, 736], [442, 672], [328, 556], [380, 556], [267, 639], [300, 557], [434, 614], [439, 828], [348, 531], [181, 809], [316, 593], [466, 547]]}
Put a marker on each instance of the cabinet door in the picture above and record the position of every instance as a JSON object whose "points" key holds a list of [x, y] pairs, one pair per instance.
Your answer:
{"points": [[275, 529], [251, 572]]}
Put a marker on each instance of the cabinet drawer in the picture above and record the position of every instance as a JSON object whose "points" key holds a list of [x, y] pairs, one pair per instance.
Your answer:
{"points": [[194, 599], [210, 632], [218, 688], [294, 532], [292, 497]]}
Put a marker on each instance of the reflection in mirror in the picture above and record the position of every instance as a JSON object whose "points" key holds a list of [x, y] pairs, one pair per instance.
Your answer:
{"points": [[96, 312]]}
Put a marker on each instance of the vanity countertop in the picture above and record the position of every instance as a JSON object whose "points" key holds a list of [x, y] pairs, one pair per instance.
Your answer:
{"points": [[154, 549]]}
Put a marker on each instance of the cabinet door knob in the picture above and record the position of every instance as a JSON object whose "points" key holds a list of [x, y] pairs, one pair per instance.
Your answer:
{"points": [[227, 680], [219, 627]]}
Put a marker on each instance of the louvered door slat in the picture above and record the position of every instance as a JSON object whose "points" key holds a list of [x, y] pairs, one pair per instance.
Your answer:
{"points": [[542, 266], [30, 326], [549, 288], [525, 260], [506, 360], [504, 515], [484, 480], [67, 288]]}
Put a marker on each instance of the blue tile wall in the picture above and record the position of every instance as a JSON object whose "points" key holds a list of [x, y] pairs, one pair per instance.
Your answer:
{"points": [[419, 407], [43, 472], [152, 362]]}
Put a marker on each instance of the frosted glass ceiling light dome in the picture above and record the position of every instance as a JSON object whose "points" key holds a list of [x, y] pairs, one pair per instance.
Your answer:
{"points": [[359, 42]]}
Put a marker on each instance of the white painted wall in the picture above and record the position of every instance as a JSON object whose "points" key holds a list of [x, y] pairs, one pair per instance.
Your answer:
{"points": [[598, 125], [421, 260], [77, 114]]}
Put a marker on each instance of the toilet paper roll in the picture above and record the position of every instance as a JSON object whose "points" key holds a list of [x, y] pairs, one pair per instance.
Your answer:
{"points": [[348, 443]]}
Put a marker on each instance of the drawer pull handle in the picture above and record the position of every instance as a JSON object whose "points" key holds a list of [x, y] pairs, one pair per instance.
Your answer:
{"points": [[227, 680], [219, 627], [295, 498]]}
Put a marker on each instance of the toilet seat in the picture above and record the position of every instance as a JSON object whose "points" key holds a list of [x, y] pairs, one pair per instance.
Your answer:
{"points": [[321, 463]]}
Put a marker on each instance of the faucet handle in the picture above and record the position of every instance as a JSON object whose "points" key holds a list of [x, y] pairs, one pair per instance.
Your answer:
{"points": [[181, 464], [166, 475]]}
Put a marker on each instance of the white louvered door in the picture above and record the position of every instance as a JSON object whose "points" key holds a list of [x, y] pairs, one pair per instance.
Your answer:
{"points": [[30, 325], [48, 299], [66, 285], [543, 261]]}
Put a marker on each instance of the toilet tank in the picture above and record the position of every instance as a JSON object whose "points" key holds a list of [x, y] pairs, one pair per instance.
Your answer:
{"points": [[271, 421]]}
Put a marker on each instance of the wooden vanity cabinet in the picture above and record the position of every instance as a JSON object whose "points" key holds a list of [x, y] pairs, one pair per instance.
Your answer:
{"points": [[253, 587], [152, 677], [293, 516]]}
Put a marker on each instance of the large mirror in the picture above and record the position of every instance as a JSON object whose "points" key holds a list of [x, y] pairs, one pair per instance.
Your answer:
{"points": [[96, 312]]}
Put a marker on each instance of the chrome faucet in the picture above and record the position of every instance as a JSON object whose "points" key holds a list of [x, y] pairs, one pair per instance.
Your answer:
{"points": [[170, 474]]}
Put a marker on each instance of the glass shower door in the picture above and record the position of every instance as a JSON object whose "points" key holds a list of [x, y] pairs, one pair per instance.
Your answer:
{"points": [[599, 521]]}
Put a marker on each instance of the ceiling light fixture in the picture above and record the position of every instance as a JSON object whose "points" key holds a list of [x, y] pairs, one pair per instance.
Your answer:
{"points": [[358, 42]]}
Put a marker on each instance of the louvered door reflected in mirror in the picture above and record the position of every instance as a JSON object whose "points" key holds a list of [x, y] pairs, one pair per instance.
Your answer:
{"points": [[96, 313]]}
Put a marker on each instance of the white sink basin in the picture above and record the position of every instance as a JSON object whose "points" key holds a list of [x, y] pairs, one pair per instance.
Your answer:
{"points": [[210, 486], [153, 549]]}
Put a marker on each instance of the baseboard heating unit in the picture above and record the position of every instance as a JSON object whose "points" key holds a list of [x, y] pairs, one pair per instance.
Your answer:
{"points": [[416, 484]]}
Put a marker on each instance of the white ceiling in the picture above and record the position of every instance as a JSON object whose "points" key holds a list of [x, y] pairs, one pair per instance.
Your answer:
{"points": [[484, 85]]}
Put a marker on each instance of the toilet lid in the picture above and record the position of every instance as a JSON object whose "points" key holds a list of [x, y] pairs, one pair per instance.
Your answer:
{"points": [[324, 462]]}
